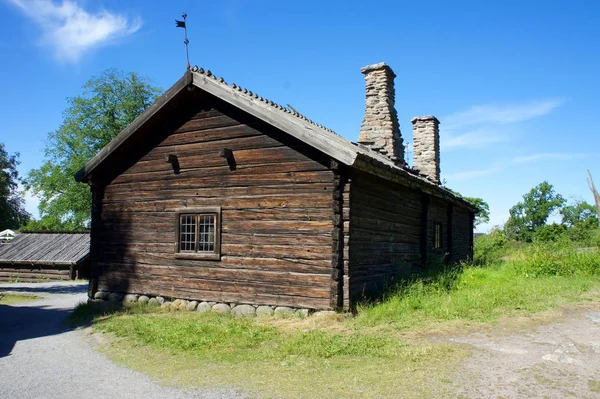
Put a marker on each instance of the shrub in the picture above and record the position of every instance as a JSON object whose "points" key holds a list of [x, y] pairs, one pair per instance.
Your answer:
{"points": [[557, 259], [550, 232], [489, 248]]}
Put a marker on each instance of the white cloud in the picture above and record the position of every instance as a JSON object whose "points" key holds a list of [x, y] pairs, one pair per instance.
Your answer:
{"points": [[474, 139], [496, 114], [558, 156], [71, 31], [490, 124], [548, 156]]}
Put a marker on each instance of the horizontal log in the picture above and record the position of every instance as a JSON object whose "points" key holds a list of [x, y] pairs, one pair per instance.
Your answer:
{"points": [[228, 262], [277, 251], [197, 132], [160, 188], [231, 193], [367, 223], [200, 166], [279, 227], [171, 292], [259, 201], [387, 211], [220, 274], [194, 283]]}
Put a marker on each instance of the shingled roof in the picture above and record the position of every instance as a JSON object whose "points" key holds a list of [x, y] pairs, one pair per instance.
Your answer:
{"points": [[290, 121], [46, 249]]}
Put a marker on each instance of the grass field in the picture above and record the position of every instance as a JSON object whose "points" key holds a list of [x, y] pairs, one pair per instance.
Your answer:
{"points": [[385, 349]]}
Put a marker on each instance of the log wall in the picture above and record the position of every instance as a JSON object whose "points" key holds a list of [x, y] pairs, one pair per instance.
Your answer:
{"points": [[42, 273], [390, 233], [276, 210], [385, 233]]}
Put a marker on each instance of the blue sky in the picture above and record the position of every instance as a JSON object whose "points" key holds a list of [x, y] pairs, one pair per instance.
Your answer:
{"points": [[514, 83]]}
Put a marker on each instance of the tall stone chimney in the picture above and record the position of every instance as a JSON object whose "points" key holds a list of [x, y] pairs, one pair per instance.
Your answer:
{"points": [[380, 129], [426, 146]]}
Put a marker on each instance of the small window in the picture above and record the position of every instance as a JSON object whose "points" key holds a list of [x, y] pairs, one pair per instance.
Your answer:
{"points": [[437, 235], [198, 233]]}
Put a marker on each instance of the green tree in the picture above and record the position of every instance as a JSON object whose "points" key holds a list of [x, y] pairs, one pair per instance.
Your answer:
{"points": [[12, 205], [108, 104], [532, 213], [580, 213], [580, 220], [483, 209]]}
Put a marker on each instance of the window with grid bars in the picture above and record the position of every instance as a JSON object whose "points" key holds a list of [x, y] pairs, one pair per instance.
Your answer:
{"points": [[437, 235], [198, 233]]}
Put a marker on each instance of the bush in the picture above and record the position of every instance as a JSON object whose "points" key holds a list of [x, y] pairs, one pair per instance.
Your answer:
{"points": [[550, 233], [489, 248], [585, 233], [557, 259]]}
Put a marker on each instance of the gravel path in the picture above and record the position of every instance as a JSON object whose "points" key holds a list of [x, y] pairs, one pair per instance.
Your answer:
{"points": [[41, 359], [556, 360]]}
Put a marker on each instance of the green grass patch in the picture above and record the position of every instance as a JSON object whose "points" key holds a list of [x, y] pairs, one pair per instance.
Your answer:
{"points": [[271, 357], [474, 293], [11, 299]]}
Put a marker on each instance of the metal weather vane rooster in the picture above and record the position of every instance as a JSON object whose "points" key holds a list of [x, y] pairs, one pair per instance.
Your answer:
{"points": [[182, 24]]}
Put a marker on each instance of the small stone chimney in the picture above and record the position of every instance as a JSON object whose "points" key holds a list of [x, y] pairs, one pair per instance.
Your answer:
{"points": [[426, 146], [380, 129]]}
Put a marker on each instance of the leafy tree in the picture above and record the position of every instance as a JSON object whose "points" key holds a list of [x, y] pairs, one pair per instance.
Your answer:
{"points": [[580, 220], [532, 213], [108, 104], [12, 211], [483, 209], [580, 213]]}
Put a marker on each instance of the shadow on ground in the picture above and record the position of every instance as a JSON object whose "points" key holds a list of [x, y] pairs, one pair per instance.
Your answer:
{"points": [[19, 323]]}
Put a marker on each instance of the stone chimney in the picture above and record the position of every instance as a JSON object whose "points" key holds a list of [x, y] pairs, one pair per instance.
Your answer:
{"points": [[426, 146], [380, 129]]}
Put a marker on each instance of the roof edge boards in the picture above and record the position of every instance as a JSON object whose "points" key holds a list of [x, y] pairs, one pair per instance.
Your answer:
{"points": [[325, 141]]}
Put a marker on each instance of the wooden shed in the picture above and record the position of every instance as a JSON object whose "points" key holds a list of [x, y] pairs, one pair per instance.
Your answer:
{"points": [[217, 194], [35, 257]]}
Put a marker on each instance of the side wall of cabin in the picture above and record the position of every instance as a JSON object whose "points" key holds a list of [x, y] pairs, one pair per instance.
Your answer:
{"points": [[276, 214], [391, 234], [384, 234]]}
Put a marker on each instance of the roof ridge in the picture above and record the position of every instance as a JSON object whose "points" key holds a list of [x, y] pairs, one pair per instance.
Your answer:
{"points": [[265, 100]]}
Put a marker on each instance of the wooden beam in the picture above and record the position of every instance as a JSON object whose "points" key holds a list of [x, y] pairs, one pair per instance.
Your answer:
{"points": [[329, 143], [227, 153], [174, 161]]}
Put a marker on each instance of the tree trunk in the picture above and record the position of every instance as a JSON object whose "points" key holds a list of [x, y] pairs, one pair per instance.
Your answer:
{"points": [[595, 193]]}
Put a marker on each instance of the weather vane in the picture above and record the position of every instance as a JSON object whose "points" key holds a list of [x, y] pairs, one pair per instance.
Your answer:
{"points": [[182, 24]]}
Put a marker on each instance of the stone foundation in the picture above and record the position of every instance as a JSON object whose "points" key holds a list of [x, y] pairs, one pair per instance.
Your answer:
{"points": [[235, 309]]}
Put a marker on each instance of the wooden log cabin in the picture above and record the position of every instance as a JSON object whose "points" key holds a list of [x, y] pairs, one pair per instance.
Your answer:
{"points": [[217, 194], [43, 256]]}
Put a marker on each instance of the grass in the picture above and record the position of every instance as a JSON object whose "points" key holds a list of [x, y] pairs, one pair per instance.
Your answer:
{"points": [[294, 357], [379, 352], [12, 299], [474, 294]]}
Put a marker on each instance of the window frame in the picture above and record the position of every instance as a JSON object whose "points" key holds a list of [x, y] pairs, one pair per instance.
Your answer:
{"points": [[197, 212], [438, 241]]}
